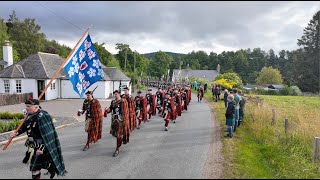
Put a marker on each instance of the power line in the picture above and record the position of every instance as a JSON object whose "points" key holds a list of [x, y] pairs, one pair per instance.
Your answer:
{"points": [[60, 16]]}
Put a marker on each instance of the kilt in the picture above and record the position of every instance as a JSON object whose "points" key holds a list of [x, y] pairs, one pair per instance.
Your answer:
{"points": [[117, 128], [41, 161], [230, 122], [94, 130], [169, 116]]}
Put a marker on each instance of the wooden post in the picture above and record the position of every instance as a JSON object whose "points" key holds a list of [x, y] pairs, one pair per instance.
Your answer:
{"points": [[273, 117], [316, 150], [286, 125]]}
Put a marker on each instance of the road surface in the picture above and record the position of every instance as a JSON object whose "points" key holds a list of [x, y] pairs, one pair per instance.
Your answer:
{"points": [[187, 150]]}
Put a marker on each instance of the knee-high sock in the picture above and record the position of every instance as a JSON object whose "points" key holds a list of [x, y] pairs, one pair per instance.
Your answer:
{"points": [[167, 123], [119, 142]]}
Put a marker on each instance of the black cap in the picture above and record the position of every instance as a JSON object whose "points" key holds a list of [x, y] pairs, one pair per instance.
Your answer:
{"points": [[32, 101], [89, 92], [126, 88], [149, 89], [116, 91], [139, 91]]}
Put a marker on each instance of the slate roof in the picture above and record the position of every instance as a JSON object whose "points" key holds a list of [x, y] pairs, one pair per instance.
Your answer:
{"points": [[44, 66], [115, 74], [209, 75]]}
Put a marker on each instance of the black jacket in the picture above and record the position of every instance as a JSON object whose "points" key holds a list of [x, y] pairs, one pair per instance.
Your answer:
{"points": [[230, 110]]}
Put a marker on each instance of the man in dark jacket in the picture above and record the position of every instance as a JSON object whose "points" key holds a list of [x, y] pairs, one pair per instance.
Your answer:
{"points": [[230, 112], [43, 144]]}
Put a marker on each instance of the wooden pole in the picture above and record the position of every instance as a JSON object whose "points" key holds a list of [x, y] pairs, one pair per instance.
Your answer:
{"points": [[286, 125], [273, 117], [316, 150], [40, 96]]}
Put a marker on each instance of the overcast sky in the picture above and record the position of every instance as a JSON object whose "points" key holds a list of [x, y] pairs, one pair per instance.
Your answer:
{"points": [[171, 26]]}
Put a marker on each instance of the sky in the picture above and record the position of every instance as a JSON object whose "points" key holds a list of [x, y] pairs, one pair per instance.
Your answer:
{"points": [[181, 27]]}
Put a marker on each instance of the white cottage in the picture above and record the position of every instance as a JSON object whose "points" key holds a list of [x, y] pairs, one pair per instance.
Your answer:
{"points": [[34, 73]]}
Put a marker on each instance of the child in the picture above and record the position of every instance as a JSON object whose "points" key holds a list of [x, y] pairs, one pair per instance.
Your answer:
{"points": [[230, 112]]}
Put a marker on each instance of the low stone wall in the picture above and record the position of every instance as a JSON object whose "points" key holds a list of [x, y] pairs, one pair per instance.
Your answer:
{"points": [[9, 99]]}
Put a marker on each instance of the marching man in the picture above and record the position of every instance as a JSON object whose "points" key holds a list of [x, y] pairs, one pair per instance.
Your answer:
{"points": [[93, 122], [141, 108], [131, 105], [119, 120], [168, 110], [43, 144], [151, 103]]}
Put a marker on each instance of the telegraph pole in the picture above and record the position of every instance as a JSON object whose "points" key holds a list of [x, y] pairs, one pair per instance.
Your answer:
{"points": [[125, 62], [134, 66]]}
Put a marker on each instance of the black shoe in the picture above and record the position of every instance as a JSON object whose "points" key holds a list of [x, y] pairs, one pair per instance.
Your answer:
{"points": [[166, 128], [85, 148], [115, 153], [138, 127]]}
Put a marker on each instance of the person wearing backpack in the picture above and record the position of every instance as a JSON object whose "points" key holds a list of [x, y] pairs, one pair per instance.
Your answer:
{"points": [[230, 114]]}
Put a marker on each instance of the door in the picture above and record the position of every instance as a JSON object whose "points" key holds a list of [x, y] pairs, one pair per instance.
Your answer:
{"points": [[41, 87]]}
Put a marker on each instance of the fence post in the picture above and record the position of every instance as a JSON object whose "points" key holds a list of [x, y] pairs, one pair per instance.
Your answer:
{"points": [[286, 125], [273, 117], [316, 150]]}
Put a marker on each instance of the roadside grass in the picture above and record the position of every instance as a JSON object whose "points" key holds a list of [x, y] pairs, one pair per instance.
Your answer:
{"points": [[259, 149]]}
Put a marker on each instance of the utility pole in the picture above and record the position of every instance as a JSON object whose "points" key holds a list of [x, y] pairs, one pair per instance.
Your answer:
{"points": [[319, 50], [125, 62], [134, 68]]}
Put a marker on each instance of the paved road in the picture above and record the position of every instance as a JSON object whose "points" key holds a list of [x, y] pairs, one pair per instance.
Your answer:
{"points": [[152, 152]]}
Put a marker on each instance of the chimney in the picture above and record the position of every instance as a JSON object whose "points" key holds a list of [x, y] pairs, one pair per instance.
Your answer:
{"points": [[7, 54]]}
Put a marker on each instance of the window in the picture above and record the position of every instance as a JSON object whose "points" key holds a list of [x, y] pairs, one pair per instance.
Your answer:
{"points": [[18, 86], [6, 86], [53, 86]]}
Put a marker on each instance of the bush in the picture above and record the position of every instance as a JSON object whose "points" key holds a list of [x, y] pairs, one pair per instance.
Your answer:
{"points": [[9, 126], [285, 91], [295, 91], [7, 115]]}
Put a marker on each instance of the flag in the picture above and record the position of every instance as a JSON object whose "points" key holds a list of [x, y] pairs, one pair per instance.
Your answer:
{"points": [[83, 67]]}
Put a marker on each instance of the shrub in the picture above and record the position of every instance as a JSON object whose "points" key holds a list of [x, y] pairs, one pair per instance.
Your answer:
{"points": [[7, 115], [295, 91], [9, 126], [285, 91]]}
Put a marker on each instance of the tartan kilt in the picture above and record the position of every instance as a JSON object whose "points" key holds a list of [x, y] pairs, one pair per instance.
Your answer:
{"points": [[178, 110], [94, 130], [41, 161], [169, 116], [117, 128]]}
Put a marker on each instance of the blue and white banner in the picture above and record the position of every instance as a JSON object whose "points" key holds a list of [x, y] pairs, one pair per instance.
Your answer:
{"points": [[83, 67]]}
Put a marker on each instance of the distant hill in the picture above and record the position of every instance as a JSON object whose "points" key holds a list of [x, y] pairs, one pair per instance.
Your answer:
{"points": [[151, 55]]}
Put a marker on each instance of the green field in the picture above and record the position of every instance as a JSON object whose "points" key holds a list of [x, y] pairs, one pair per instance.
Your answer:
{"points": [[262, 150]]}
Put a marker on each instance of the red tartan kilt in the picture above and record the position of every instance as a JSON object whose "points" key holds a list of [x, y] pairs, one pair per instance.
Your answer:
{"points": [[94, 130], [119, 131], [170, 116]]}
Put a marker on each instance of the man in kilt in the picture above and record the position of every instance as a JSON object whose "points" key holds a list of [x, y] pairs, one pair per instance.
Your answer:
{"points": [[160, 97], [168, 110], [119, 120], [131, 105], [44, 151], [177, 102], [200, 93], [151, 104], [184, 99], [93, 122], [141, 108]]}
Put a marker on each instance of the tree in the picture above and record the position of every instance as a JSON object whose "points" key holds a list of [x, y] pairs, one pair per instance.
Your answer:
{"points": [[3, 37], [269, 75], [309, 71], [25, 36], [104, 55], [231, 78]]}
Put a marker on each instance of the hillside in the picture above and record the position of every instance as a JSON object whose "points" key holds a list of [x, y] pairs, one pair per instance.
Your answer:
{"points": [[151, 55]]}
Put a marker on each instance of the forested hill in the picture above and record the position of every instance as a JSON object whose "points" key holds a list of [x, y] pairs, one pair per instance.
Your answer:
{"points": [[151, 56]]}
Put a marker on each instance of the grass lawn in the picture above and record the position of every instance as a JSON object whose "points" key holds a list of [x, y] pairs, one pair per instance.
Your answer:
{"points": [[262, 150]]}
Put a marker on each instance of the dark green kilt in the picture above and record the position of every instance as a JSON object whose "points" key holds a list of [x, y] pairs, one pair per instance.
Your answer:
{"points": [[39, 162]]}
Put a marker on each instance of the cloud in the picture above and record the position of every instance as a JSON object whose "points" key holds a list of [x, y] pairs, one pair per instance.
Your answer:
{"points": [[172, 26]]}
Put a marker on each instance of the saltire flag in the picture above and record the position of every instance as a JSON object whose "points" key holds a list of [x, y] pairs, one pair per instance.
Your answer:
{"points": [[83, 67]]}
